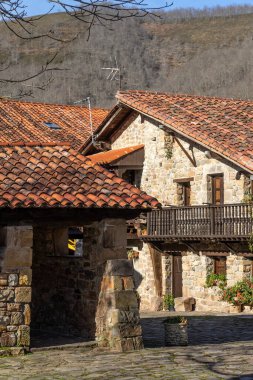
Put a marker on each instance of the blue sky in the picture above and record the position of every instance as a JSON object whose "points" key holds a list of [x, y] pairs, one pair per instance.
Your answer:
{"points": [[42, 6]]}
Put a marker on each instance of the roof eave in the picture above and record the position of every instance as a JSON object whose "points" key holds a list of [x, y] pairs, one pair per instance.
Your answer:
{"points": [[188, 137]]}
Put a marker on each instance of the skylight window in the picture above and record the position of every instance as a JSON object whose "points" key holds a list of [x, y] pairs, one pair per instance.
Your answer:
{"points": [[52, 125]]}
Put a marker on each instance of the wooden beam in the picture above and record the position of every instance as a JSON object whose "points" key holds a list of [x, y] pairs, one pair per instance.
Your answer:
{"points": [[180, 180], [192, 159]]}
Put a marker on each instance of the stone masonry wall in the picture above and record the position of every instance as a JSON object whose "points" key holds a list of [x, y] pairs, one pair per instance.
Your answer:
{"points": [[164, 162], [144, 277], [15, 289], [196, 267], [66, 288]]}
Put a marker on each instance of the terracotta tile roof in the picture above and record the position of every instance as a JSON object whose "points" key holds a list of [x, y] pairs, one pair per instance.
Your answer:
{"points": [[223, 125], [114, 154], [24, 122], [42, 176]]}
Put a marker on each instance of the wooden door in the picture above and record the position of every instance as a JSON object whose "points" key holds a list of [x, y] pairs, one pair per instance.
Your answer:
{"points": [[187, 193], [177, 276], [220, 265], [217, 190]]}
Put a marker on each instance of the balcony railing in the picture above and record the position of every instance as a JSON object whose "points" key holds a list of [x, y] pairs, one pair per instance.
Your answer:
{"points": [[197, 222]]}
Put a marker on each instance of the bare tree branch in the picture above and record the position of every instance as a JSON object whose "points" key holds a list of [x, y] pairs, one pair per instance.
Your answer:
{"points": [[14, 15]]}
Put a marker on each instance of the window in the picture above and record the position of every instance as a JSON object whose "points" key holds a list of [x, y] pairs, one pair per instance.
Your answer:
{"points": [[132, 176], [75, 241], [52, 125], [68, 241], [217, 189], [220, 266]]}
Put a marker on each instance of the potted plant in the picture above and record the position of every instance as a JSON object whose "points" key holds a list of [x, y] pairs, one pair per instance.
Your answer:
{"points": [[168, 302], [176, 331], [239, 295]]}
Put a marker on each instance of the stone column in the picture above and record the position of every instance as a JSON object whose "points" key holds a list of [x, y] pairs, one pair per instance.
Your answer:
{"points": [[167, 274], [117, 317], [15, 289]]}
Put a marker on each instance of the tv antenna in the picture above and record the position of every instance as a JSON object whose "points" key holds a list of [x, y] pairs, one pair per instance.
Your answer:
{"points": [[87, 100], [114, 73]]}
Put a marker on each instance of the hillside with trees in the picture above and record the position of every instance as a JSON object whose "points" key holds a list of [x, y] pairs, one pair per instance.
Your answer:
{"points": [[207, 52]]}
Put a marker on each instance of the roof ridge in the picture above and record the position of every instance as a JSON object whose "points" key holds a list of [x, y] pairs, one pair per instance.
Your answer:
{"points": [[176, 94], [20, 143], [10, 100]]}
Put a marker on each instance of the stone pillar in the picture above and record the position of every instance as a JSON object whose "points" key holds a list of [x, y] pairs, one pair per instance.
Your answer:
{"points": [[117, 317], [15, 290], [166, 274]]}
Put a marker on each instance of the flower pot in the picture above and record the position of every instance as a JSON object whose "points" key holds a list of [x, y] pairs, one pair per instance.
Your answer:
{"points": [[176, 334]]}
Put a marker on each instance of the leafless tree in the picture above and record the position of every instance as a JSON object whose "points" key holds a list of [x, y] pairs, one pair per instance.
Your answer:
{"points": [[14, 15]]}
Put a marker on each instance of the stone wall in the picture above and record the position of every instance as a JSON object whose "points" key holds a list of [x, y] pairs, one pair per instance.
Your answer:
{"points": [[66, 288], [15, 315], [196, 267], [15, 289], [165, 161], [147, 281]]}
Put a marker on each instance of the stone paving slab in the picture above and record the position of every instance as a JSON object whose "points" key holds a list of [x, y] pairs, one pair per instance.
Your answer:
{"points": [[224, 361], [230, 360]]}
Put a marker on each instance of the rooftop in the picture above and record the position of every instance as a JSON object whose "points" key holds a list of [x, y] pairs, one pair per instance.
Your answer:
{"points": [[114, 154], [58, 176], [223, 125], [24, 122]]}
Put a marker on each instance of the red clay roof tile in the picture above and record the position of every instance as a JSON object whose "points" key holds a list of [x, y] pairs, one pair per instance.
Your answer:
{"points": [[24, 123], [222, 125], [114, 154], [41, 177]]}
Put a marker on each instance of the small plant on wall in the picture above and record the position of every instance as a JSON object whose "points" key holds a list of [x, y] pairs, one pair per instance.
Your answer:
{"points": [[214, 279], [168, 146], [132, 254], [168, 302]]}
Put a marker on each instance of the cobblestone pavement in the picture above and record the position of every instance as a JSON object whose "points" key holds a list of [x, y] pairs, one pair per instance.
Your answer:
{"points": [[232, 359]]}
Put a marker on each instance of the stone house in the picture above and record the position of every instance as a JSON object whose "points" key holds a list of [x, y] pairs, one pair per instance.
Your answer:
{"points": [[50, 192], [194, 154]]}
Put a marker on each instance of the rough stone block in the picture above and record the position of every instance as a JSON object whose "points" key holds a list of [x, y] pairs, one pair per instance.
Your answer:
{"points": [[23, 336], [8, 339], [4, 319], [14, 307], [23, 294], [128, 283], [184, 304], [27, 315], [119, 267], [3, 279], [6, 294], [13, 280], [127, 330], [25, 277], [125, 300], [17, 318]]}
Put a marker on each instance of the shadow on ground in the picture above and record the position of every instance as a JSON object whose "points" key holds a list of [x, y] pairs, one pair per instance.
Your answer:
{"points": [[202, 330]]}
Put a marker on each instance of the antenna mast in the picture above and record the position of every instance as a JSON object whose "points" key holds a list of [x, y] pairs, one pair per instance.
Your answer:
{"points": [[114, 73], [90, 115]]}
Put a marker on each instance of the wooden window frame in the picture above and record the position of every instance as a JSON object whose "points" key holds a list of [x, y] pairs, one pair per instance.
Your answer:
{"points": [[213, 177]]}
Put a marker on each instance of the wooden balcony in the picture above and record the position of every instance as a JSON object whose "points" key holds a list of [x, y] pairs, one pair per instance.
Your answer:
{"points": [[195, 223]]}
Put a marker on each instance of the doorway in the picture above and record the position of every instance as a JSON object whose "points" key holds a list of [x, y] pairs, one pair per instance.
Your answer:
{"points": [[177, 285]]}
